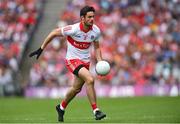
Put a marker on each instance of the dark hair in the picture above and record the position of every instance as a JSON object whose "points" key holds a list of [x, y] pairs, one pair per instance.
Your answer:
{"points": [[86, 9]]}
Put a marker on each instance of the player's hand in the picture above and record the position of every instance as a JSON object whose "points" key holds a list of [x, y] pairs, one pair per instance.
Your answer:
{"points": [[37, 52]]}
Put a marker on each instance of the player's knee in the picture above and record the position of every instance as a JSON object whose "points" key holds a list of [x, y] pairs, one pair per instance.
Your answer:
{"points": [[90, 80]]}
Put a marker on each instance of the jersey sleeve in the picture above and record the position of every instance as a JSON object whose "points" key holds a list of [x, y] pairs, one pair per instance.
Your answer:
{"points": [[68, 30]]}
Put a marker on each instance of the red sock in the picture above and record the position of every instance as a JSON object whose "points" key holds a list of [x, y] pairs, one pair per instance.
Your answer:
{"points": [[63, 104], [94, 106]]}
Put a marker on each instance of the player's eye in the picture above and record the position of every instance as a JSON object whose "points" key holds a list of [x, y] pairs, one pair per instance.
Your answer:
{"points": [[90, 16]]}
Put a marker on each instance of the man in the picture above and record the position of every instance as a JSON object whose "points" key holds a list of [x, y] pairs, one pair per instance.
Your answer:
{"points": [[80, 37]]}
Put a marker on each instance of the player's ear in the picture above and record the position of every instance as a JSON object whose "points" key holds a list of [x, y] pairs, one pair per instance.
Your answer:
{"points": [[82, 18]]}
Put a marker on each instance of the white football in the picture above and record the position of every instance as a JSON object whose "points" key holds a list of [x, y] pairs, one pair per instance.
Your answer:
{"points": [[102, 68]]}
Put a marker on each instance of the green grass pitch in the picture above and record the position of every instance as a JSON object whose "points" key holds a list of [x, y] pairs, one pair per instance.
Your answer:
{"points": [[118, 110]]}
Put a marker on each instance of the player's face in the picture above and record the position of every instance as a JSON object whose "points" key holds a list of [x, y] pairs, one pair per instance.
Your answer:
{"points": [[89, 18]]}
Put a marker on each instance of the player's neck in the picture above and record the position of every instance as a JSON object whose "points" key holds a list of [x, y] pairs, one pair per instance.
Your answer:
{"points": [[86, 27]]}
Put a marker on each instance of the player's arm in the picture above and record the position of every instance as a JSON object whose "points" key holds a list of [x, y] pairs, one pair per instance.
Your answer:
{"points": [[97, 51], [54, 33]]}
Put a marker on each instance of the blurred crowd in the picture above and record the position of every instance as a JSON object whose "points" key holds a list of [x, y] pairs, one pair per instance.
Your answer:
{"points": [[140, 39], [17, 19]]}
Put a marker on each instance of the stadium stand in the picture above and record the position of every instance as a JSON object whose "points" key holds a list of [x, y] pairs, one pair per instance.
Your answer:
{"points": [[140, 39], [18, 19]]}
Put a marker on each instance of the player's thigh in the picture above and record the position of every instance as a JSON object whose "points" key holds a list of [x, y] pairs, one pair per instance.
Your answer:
{"points": [[78, 82], [85, 75]]}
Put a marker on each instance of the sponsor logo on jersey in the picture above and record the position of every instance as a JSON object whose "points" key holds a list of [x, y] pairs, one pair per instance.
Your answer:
{"points": [[78, 44]]}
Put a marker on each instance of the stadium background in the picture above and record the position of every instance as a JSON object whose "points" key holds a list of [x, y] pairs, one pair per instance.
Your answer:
{"points": [[140, 39]]}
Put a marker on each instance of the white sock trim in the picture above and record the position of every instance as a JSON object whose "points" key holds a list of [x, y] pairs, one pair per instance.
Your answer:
{"points": [[94, 111], [62, 108]]}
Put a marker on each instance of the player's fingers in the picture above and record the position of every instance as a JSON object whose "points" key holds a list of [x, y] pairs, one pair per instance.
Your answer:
{"points": [[37, 56], [32, 54]]}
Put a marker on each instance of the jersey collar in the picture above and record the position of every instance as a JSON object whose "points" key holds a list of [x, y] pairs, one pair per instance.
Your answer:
{"points": [[82, 29]]}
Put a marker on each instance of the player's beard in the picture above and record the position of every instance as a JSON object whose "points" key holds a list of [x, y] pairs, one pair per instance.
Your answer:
{"points": [[87, 24]]}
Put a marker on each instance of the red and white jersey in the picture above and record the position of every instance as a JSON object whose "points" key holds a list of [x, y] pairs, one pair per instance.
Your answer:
{"points": [[79, 41]]}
